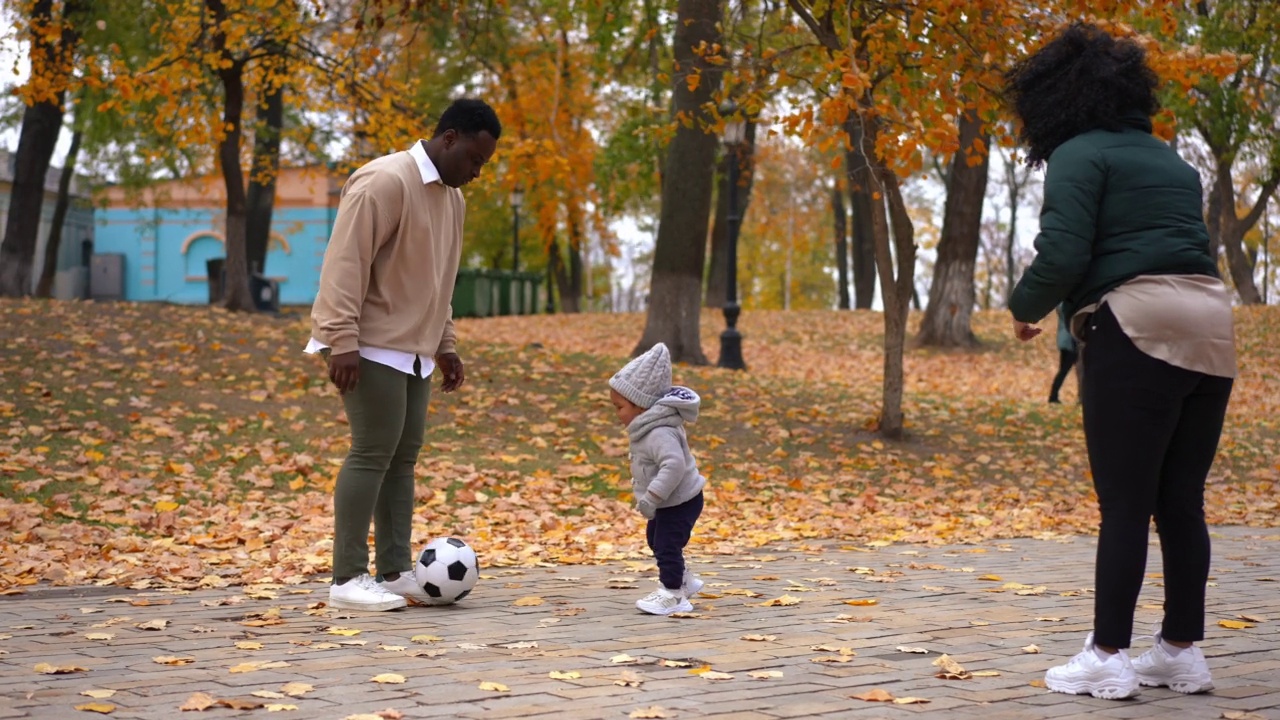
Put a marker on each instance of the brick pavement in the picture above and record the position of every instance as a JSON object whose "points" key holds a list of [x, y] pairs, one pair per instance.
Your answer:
{"points": [[935, 598]]}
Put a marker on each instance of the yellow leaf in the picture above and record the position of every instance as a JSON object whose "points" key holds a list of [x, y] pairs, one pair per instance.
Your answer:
{"points": [[166, 505], [862, 602], [781, 601], [248, 645], [1235, 624], [424, 639], [1037, 683], [494, 687], [388, 679], [992, 578], [277, 707], [909, 701], [1031, 649], [153, 625], [172, 660], [557, 675], [653, 711], [98, 694], [296, 689], [759, 638], [47, 669], [622, 658], [104, 708], [876, 695], [99, 636], [198, 701], [530, 601], [765, 674], [1049, 619], [257, 665], [345, 632]]}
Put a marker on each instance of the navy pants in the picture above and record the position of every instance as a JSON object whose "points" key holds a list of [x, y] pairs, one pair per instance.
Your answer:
{"points": [[1152, 431], [668, 532]]}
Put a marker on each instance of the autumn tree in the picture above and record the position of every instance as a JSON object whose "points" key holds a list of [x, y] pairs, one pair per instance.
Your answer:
{"points": [[675, 294], [1237, 119], [52, 31]]}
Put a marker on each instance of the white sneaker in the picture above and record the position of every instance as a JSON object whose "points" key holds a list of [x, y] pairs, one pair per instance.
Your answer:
{"points": [[692, 584], [1186, 672], [363, 593], [1112, 679], [406, 586], [664, 602]]}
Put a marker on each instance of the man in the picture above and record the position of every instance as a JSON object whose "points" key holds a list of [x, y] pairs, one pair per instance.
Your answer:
{"points": [[383, 319]]}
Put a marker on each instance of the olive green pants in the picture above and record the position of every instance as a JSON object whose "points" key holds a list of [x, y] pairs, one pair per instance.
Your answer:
{"points": [[387, 412]]}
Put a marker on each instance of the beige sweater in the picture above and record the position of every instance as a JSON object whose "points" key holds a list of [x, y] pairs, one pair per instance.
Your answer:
{"points": [[388, 273]]}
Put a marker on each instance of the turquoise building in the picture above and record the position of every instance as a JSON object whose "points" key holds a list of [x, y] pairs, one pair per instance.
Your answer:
{"points": [[161, 238]]}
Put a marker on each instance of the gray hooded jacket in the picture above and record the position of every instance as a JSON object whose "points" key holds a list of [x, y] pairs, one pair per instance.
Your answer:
{"points": [[661, 463]]}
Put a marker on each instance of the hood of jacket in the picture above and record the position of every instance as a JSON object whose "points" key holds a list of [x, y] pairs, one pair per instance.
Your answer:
{"points": [[678, 406]]}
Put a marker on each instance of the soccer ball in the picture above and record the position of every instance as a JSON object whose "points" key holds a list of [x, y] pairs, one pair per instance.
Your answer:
{"points": [[447, 570]]}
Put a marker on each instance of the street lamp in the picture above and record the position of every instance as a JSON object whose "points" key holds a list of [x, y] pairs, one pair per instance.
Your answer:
{"points": [[735, 130], [517, 199]]}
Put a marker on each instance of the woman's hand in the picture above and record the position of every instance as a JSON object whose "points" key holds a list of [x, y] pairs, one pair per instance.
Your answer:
{"points": [[1025, 331]]}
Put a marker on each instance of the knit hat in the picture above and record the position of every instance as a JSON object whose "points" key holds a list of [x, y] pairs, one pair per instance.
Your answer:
{"points": [[645, 379]]}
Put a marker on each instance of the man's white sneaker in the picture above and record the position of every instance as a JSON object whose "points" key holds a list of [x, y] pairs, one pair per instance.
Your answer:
{"points": [[692, 584], [1086, 673], [1186, 672], [406, 586], [363, 593], [664, 602]]}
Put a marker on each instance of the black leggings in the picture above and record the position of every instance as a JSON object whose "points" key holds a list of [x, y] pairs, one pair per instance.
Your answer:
{"points": [[1066, 359], [1152, 431]]}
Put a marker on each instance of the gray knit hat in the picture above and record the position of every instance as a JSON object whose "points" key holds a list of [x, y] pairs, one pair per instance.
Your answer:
{"points": [[645, 379]]}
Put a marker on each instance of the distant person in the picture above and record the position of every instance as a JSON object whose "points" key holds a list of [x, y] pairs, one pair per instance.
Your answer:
{"points": [[664, 476], [383, 319], [1067, 355], [1124, 248]]}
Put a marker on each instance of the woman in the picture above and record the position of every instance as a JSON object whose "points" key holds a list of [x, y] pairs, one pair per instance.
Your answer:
{"points": [[1123, 246]]}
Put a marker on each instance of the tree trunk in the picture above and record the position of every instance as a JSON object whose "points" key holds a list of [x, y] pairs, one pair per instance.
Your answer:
{"points": [[41, 123], [675, 290], [1232, 229], [51, 246], [861, 200], [1011, 240], [262, 179], [718, 267], [841, 227], [236, 295], [946, 320], [569, 279], [894, 239]]}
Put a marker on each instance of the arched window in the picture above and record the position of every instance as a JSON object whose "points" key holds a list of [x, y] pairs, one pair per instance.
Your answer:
{"points": [[196, 249]]}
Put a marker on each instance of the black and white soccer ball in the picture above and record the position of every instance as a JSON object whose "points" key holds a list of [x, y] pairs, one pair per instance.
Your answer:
{"points": [[447, 570]]}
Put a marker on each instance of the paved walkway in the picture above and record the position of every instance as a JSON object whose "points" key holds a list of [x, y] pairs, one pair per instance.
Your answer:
{"points": [[567, 642]]}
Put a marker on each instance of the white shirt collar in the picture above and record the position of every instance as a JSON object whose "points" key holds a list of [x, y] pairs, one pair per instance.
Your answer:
{"points": [[428, 169]]}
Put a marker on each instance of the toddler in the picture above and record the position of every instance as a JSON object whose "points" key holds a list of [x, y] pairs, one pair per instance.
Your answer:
{"points": [[665, 478]]}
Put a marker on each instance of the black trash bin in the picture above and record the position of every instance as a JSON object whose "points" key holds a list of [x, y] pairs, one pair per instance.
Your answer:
{"points": [[215, 269], [266, 293]]}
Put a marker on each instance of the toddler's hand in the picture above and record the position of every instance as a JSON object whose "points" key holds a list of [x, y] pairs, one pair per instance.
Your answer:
{"points": [[647, 507]]}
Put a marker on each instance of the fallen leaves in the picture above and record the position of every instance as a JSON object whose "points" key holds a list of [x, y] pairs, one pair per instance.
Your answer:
{"points": [[862, 602], [1031, 649], [783, 601], [256, 665], [756, 637], [488, 686], [570, 675], [388, 679], [918, 650], [1235, 624], [649, 713], [531, 601], [172, 660], [104, 708]]}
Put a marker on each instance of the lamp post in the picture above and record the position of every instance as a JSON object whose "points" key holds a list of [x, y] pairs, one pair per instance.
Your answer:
{"points": [[517, 199], [735, 129]]}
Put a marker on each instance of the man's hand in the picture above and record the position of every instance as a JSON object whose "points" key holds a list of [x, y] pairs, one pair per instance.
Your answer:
{"points": [[451, 367], [344, 371], [1025, 331]]}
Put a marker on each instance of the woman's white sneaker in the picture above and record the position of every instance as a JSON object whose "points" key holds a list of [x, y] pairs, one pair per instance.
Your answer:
{"points": [[363, 593], [692, 584], [1187, 672], [664, 602], [1088, 674]]}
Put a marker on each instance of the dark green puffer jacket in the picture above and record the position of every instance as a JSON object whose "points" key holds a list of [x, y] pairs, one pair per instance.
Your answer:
{"points": [[1116, 205]]}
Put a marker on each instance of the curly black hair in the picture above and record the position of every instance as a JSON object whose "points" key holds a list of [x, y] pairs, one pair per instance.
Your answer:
{"points": [[469, 116], [1082, 80]]}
